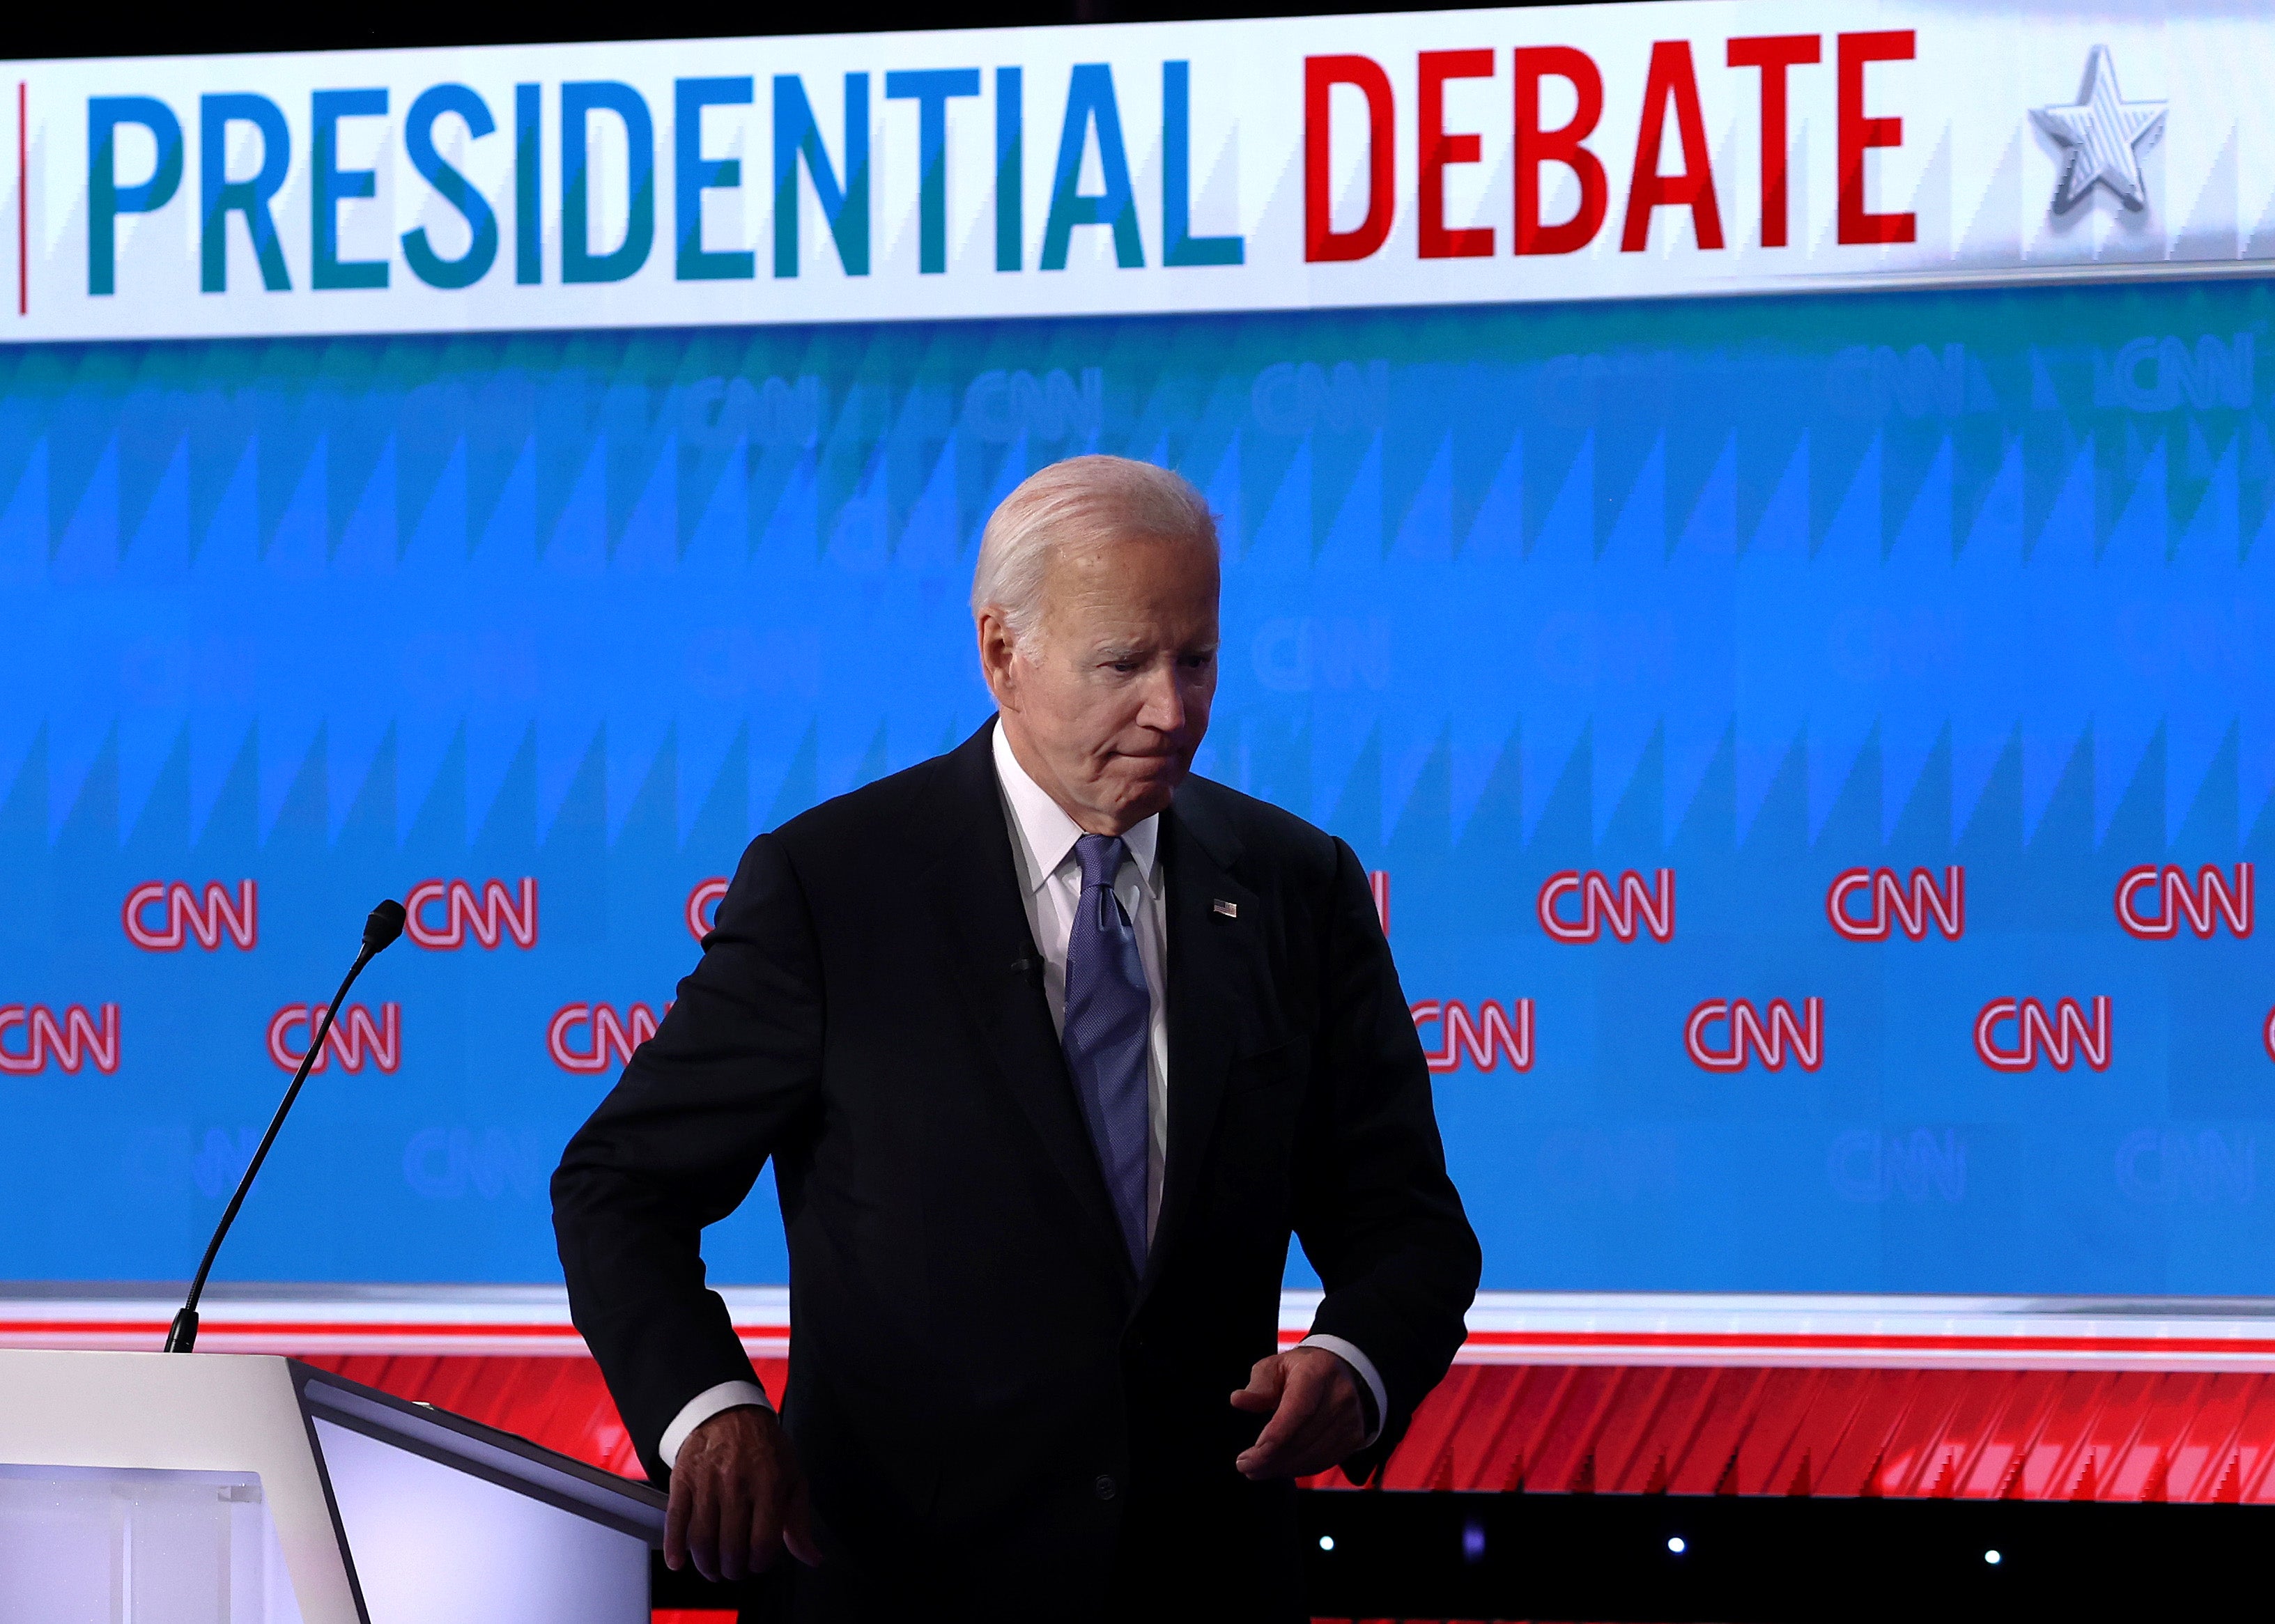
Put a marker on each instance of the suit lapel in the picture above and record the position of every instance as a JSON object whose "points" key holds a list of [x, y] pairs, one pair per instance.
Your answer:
{"points": [[972, 888], [1215, 973]]}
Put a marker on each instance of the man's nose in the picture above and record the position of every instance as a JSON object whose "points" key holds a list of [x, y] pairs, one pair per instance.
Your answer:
{"points": [[1164, 709]]}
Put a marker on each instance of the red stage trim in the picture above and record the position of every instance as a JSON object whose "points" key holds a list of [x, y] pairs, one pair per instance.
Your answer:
{"points": [[2201, 1437], [2169, 1400]]}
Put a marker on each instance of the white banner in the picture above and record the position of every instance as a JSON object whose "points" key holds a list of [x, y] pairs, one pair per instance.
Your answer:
{"points": [[1569, 152]]}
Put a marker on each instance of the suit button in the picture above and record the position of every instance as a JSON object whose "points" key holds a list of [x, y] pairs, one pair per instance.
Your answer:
{"points": [[1103, 1488]]}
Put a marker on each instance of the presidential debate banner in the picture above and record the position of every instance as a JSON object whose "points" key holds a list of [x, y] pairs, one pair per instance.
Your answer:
{"points": [[1437, 159], [1812, 752]]}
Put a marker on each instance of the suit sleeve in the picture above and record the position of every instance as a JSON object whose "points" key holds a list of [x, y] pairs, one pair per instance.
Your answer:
{"points": [[1376, 1213], [732, 1074]]}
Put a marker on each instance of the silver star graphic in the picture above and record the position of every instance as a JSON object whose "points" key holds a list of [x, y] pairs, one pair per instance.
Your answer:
{"points": [[2102, 134]]}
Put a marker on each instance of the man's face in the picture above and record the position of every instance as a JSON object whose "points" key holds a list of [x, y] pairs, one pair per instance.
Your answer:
{"points": [[1110, 698]]}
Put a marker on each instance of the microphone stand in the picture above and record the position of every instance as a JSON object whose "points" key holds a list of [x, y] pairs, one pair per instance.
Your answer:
{"points": [[379, 930]]}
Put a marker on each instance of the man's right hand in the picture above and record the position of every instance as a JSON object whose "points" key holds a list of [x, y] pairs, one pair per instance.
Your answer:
{"points": [[737, 1498]]}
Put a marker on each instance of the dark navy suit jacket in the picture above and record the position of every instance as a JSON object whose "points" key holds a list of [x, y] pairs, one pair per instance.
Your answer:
{"points": [[995, 1412]]}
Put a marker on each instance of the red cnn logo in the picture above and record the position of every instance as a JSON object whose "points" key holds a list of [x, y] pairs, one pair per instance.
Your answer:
{"points": [[72, 1042], [702, 906], [185, 916], [355, 1037], [1653, 905], [606, 1033], [1896, 904], [1753, 1038], [2210, 899], [492, 917], [1493, 1033], [2062, 1040]]}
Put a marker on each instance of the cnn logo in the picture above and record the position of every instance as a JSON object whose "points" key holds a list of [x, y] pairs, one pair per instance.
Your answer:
{"points": [[1484, 1037], [2062, 1038], [2156, 899], [1626, 907], [703, 906], [79, 1038], [1871, 904], [354, 1040], [162, 916], [489, 917], [1747, 1034], [591, 1038]]}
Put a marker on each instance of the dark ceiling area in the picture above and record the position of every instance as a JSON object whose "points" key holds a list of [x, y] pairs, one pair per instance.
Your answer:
{"points": [[89, 31]]}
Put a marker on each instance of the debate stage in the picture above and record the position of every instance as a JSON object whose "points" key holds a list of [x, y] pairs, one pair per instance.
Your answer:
{"points": [[1577, 1436], [1805, 461]]}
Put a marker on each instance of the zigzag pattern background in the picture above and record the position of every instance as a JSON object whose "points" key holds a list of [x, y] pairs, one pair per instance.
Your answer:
{"points": [[1758, 590]]}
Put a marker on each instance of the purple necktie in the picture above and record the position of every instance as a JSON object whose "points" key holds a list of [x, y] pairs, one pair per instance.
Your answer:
{"points": [[1108, 1013]]}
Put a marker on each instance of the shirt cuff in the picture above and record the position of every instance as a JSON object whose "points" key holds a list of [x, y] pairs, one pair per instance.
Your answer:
{"points": [[711, 1401], [1348, 1353]]}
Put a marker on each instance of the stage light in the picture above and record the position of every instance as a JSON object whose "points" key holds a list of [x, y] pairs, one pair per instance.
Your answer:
{"points": [[1473, 1541], [1991, 1557], [1326, 1542], [1677, 1544]]}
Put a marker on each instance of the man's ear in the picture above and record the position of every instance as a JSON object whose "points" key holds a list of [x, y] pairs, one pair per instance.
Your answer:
{"points": [[998, 659]]}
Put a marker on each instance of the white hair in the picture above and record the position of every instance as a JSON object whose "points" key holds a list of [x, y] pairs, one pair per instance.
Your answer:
{"points": [[1082, 500]]}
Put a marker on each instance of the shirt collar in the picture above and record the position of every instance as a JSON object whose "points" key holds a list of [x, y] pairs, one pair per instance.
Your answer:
{"points": [[1047, 834]]}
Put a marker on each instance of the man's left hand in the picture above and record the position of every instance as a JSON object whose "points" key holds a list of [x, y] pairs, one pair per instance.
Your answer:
{"points": [[1316, 1419]]}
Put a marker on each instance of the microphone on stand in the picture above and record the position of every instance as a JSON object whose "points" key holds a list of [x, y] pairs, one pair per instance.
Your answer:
{"points": [[379, 931]]}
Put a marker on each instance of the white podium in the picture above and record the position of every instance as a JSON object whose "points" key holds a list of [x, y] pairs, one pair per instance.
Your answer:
{"points": [[246, 1489]]}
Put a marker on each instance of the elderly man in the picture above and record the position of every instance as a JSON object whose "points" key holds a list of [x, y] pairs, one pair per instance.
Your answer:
{"points": [[1053, 1045]]}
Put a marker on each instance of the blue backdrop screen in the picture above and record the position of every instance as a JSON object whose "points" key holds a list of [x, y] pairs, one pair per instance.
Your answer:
{"points": [[1791, 737]]}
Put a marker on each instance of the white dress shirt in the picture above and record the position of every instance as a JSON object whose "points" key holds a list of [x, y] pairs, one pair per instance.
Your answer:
{"points": [[1050, 887]]}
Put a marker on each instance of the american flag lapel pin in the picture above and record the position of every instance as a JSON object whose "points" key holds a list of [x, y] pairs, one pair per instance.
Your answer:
{"points": [[1230, 910]]}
